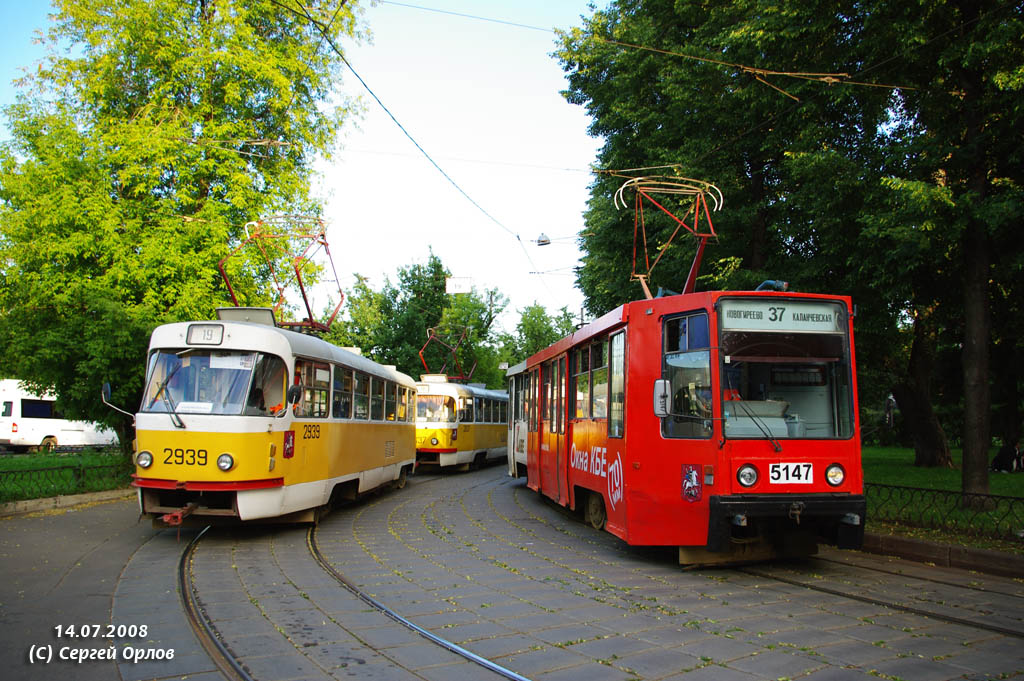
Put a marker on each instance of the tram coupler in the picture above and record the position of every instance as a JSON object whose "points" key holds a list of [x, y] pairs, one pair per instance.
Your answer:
{"points": [[175, 519]]}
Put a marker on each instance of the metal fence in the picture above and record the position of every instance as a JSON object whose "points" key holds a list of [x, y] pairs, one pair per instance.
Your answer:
{"points": [[976, 515], [51, 481]]}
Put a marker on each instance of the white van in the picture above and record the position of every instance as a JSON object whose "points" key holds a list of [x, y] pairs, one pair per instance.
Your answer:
{"points": [[29, 421]]}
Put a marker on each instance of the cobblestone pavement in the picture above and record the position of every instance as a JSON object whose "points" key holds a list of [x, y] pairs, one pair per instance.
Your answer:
{"points": [[484, 562]]}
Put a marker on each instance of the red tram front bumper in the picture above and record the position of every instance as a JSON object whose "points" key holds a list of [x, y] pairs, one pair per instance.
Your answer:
{"points": [[836, 518]]}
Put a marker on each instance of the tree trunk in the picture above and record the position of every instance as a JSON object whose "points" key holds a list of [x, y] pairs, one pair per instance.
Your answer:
{"points": [[977, 398], [977, 249], [913, 395]]}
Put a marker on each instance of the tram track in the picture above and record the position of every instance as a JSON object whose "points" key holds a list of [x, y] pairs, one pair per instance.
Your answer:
{"points": [[477, 573], [976, 623], [804, 580], [468, 655], [207, 634]]}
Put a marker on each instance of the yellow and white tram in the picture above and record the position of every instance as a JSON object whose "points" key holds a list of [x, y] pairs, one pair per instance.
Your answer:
{"points": [[519, 392], [459, 425], [245, 420]]}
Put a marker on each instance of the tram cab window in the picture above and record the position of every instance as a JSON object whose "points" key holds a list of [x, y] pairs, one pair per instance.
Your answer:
{"points": [[342, 402], [435, 408], [687, 366], [8, 408], [314, 378], [361, 396], [267, 394], [213, 382]]}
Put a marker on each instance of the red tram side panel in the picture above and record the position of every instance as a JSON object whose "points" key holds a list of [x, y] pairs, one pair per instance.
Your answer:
{"points": [[724, 423]]}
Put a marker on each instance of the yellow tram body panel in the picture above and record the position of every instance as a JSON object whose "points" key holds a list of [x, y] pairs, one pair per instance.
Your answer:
{"points": [[320, 450]]}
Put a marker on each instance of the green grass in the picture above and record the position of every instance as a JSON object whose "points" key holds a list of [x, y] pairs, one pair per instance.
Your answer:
{"points": [[86, 457], [895, 466], [40, 475]]}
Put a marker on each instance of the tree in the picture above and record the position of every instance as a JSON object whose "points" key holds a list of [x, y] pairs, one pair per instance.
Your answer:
{"points": [[537, 330], [904, 195], [151, 134]]}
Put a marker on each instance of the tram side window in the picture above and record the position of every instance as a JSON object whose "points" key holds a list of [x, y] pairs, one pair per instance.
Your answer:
{"points": [[617, 385], [465, 409], [390, 402], [376, 399], [687, 366], [581, 379], [314, 378], [403, 403], [361, 398], [599, 380], [342, 401], [267, 394], [503, 413], [8, 409]]}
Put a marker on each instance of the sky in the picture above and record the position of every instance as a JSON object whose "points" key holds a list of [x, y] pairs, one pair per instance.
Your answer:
{"points": [[482, 97]]}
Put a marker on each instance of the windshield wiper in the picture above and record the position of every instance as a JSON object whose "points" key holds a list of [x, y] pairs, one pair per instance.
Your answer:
{"points": [[761, 425], [162, 392]]}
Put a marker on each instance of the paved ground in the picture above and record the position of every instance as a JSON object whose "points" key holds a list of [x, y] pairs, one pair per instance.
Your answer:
{"points": [[482, 561]]}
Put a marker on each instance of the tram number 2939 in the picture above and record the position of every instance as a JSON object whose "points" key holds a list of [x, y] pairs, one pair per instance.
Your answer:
{"points": [[311, 431], [186, 457], [791, 473]]}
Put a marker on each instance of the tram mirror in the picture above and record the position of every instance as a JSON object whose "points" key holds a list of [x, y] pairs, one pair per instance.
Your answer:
{"points": [[105, 391], [662, 388], [294, 394]]}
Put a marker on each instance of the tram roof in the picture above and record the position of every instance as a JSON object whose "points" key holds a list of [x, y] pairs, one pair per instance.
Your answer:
{"points": [[262, 337]]}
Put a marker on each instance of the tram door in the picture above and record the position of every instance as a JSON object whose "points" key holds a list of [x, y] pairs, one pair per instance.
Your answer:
{"points": [[558, 428], [548, 444]]}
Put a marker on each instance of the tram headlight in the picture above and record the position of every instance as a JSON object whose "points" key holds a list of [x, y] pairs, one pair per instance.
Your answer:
{"points": [[747, 475], [433, 441], [143, 459], [225, 462], [835, 474]]}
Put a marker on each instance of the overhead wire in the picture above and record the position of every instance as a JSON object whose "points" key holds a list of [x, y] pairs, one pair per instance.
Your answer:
{"points": [[324, 31]]}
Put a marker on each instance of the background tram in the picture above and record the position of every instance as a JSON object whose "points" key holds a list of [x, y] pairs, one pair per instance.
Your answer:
{"points": [[724, 423], [247, 420], [518, 391], [459, 425]]}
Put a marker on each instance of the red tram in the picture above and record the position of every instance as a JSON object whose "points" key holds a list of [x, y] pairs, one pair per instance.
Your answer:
{"points": [[724, 423]]}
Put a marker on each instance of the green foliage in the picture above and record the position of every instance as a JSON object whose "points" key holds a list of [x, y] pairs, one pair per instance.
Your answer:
{"points": [[151, 134], [896, 183], [536, 330]]}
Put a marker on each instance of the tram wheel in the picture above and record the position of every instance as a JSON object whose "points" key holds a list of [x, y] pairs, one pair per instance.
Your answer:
{"points": [[596, 514], [402, 478], [49, 444]]}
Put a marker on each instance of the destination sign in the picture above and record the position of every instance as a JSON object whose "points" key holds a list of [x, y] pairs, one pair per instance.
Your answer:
{"points": [[780, 314]]}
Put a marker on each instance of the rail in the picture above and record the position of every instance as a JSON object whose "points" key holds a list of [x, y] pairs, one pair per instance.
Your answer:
{"points": [[50, 481], [976, 515]]}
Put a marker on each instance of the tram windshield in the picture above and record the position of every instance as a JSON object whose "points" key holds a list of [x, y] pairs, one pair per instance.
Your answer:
{"points": [[215, 382], [435, 408], [785, 369]]}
